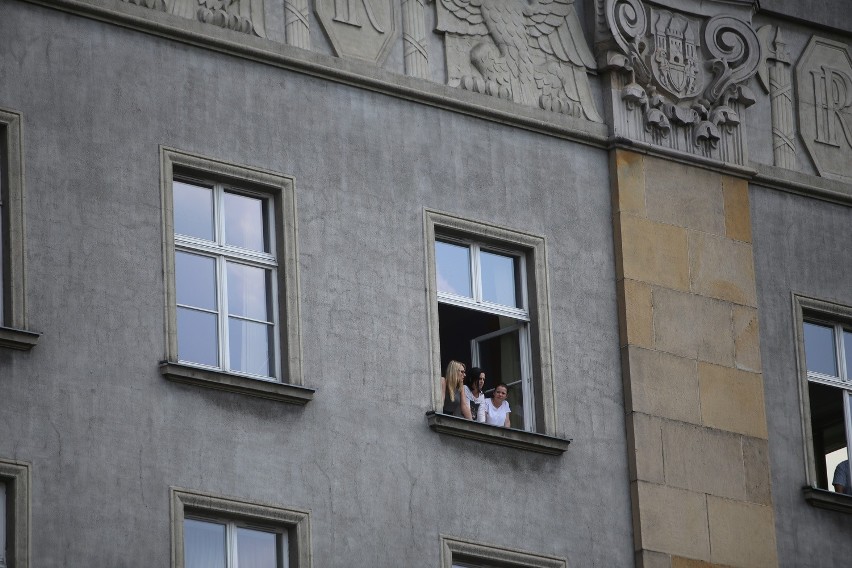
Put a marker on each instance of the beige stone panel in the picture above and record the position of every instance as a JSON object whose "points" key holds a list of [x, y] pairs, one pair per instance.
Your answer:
{"points": [[746, 339], [721, 268], [693, 326], [663, 385], [628, 178], [703, 460], [650, 559], [681, 562], [653, 252], [645, 447], [732, 400], [756, 462], [672, 520], [683, 195], [737, 214], [636, 324], [741, 534]]}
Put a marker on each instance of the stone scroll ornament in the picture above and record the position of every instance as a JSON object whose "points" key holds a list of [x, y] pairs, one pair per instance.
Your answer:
{"points": [[684, 74], [244, 16], [532, 53]]}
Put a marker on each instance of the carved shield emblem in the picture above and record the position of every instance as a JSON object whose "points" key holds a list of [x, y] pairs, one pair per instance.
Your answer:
{"points": [[676, 60], [363, 29]]}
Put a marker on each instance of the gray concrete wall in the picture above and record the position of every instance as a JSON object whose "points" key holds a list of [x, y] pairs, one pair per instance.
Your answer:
{"points": [[801, 245], [107, 435]]}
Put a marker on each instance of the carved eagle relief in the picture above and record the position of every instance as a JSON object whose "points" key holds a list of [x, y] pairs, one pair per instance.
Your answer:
{"points": [[533, 53]]}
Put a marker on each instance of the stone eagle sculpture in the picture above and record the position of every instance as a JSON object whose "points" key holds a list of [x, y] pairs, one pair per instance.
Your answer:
{"points": [[537, 54]]}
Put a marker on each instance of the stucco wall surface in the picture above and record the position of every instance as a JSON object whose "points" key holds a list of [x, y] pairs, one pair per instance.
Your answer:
{"points": [[107, 435], [801, 245]]}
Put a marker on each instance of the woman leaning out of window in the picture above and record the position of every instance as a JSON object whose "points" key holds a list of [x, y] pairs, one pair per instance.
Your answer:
{"points": [[455, 402], [497, 409]]}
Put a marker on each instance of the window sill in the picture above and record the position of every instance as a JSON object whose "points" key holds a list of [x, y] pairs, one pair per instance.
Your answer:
{"points": [[19, 339], [828, 499], [217, 380], [521, 439]]}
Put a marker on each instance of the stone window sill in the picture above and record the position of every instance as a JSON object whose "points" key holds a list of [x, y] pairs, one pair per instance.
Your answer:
{"points": [[19, 339], [521, 439], [828, 499], [217, 380]]}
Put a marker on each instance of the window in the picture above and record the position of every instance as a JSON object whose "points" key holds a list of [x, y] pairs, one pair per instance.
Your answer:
{"points": [[825, 355], [460, 553], [484, 319], [14, 514], [233, 289], [220, 532], [13, 321], [487, 298]]}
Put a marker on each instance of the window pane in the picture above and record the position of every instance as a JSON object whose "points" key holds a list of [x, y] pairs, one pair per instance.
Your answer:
{"points": [[498, 278], [195, 280], [193, 210], [819, 349], [500, 358], [828, 427], [847, 343], [203, 544], [245, 224], [248, 291], [198, 337], [250, 347], [452, 268], [256, 549]]}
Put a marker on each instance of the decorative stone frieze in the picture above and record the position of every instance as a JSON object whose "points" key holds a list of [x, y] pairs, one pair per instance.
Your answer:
{"points": [[360, 29], [824, 90], [530, 53], [240, 15], [297, 25], [774, 75], [678, 78]]}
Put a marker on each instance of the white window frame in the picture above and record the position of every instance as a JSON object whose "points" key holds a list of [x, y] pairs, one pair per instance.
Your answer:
{"points": [[231, 526], [287, 386], [222, 253], [531, 250], [839, 318], [293, 523]]}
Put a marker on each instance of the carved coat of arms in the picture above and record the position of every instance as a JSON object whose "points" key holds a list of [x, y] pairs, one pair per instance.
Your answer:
{"points": [[533, 53], [676, 63]]}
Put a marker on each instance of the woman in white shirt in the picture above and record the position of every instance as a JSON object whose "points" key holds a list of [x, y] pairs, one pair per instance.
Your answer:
{"points": [[497, 409], [474, 382]]}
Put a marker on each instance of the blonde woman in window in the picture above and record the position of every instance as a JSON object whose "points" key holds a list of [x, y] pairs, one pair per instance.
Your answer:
{"points": [[455, 402]]}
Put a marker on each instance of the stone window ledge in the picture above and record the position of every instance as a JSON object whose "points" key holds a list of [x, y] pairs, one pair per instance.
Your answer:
{"points": [[828, 499], [19, 339], [521, 439], [217, 380]]}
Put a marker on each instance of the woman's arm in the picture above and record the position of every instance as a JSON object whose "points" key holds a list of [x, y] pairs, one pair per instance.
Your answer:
{"points": [[507, 423], [465, 404], [480, 412]]}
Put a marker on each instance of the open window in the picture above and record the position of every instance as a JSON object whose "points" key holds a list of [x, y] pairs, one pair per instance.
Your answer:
{"points": [[825, 349], [488, 307]]}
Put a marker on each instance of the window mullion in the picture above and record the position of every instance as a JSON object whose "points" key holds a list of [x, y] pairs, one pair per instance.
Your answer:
{"points": [[475, 274], [842, 370], [221, 279], [231, 547]]}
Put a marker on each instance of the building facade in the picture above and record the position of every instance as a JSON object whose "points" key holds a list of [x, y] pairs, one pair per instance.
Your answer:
{"points": [[242, 240]]}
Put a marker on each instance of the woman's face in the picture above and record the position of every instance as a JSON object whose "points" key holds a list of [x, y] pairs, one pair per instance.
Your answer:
{"points": [[481, 381], [499, 395], [461, 373]]}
